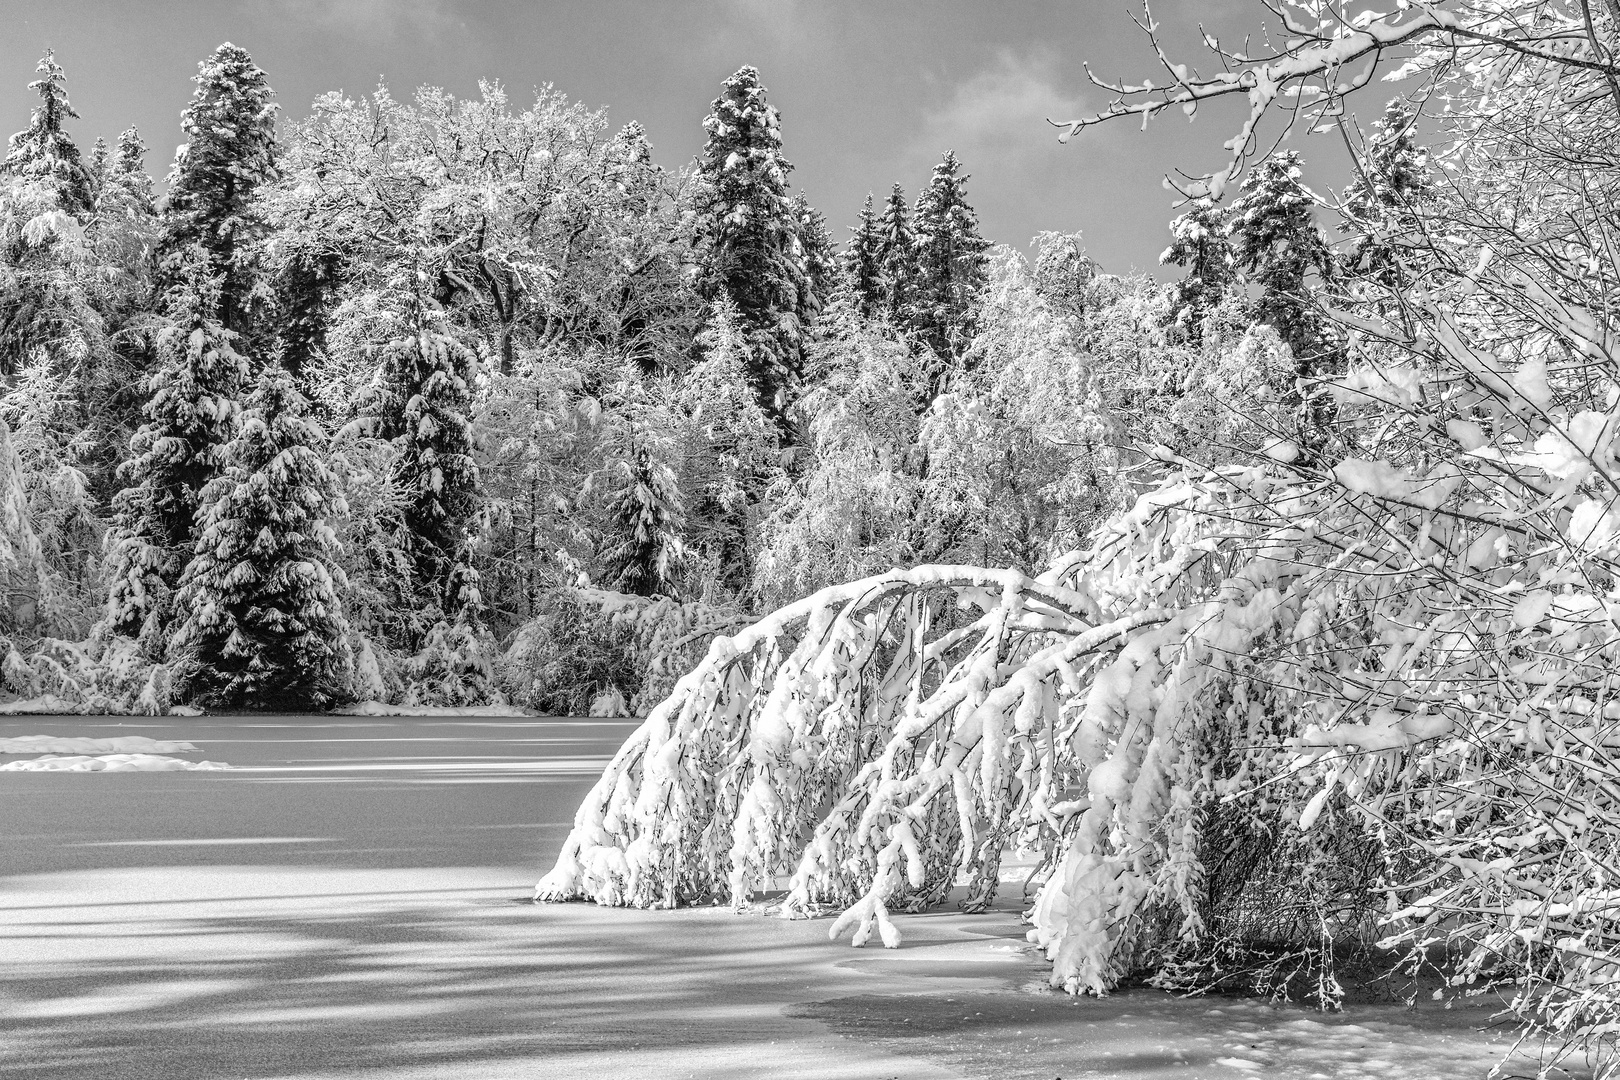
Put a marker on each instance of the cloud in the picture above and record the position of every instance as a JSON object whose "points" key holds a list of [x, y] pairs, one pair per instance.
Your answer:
{"points": [[385, 19], [1001, 111]]}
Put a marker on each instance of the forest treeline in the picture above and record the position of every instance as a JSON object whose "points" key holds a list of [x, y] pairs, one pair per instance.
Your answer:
{"points": [[453, 401]]}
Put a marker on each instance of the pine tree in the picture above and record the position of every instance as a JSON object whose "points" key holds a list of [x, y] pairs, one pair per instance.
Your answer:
{"points": [[898, 252], [863, 260], [951, 267], [820, 261], [265, 625], [1199, 243], [306, 285], [644, 551], [43, 150], [230, 155], [192, 402], [423, 405], [749, 230], [1278, 247]]}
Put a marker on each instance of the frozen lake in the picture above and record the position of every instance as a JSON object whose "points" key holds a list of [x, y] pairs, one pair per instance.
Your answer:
{"points": [[351, 900]]}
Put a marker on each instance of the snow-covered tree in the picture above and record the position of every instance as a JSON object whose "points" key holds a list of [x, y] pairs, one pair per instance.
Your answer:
{"points": [[898, 249], [863, 260], [950, 270], [230, 153], [820, 258], [1393, 183], [643, 550], [421, 404], [192, 398], [264, 625], [749, 230], [1278, 247], [1199, 243], [44, 151]]}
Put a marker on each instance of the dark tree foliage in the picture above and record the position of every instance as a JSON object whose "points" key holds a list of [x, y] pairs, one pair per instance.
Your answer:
{"points": [[820, 258], [230, 154], [749, 231], [1383, 206]]}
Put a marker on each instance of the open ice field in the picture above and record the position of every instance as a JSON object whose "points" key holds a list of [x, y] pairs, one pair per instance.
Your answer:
{"points": [[350, 899]]}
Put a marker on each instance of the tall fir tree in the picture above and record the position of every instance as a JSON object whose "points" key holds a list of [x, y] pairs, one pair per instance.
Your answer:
{"points": [[749, 231], [191, 405], [230, 154], [128, 171], [820, 259], [423, 405], [952, 268], [264, 625], [43, 151], [1277, 246], [1198, 243], [898, 252], [863, 260]]}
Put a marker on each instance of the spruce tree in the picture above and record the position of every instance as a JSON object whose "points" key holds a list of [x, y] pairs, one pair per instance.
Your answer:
{"points": [[749, 230], [230, 126], [423, 406], [44, 150], [1199, 243], [191, 404], [265, 626], [898, 252], [1393, 183], [1278, 247], [128, 172], [643, 551], [863, 261], [820, 260], [952, 267]]}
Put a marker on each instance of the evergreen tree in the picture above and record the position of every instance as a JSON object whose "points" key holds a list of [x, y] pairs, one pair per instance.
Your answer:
{"points": [[265, 626], [1278, 247], [820, 260], [128, 172], [43, 150], [644, 525], [423, 405], [863, 261], [1064, 273], [951, 267], [1199, 243], [307, 281], [898, 252], [1393, 183], [749, 228], [99, 163], [190, 409], [229, 156]]}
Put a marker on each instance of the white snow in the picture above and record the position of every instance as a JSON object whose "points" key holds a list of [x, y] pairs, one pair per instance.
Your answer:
{"points": [[45, 704], [109, 763], [123, 744], [379, 708]]}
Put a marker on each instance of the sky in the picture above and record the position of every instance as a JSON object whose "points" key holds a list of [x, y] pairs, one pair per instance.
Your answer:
{"points": [[871, 92]]}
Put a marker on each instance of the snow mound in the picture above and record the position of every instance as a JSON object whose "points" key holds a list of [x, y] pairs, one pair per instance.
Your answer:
{"points": [[378, 708], [123, 744], [110, 763], [44, 704]]}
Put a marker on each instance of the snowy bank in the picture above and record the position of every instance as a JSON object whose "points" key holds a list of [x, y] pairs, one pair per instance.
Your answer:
{"points": [[110, 763], [378, 708], [123, 744]]}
